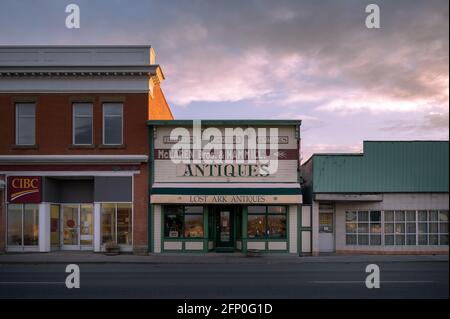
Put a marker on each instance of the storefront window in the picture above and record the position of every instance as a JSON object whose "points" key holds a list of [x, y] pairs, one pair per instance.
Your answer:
{"points": [[117, 223], [193, 225], [256, 226], [276, 226], [183, 221], [266, 222], [108, 223], [363, 228], [23, 225], [400, 227], [31, 225], [124, 224], [14, 225]]}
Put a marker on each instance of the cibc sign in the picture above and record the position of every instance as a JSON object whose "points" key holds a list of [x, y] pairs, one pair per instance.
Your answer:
{"points": [[24, 189]]}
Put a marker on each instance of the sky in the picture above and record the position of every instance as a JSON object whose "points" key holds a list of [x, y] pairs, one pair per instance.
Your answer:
{"points": [[279, 59]]}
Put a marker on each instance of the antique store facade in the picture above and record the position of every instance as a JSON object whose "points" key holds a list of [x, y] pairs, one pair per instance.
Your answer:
{"points": [[74, 146], [226, 206]]}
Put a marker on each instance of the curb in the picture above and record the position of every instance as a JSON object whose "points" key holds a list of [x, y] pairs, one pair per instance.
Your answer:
{"points": [[251, 261]]}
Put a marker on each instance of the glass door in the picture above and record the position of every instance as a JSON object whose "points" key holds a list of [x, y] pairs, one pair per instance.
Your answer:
{"points": [[70, 223], [54, 225], [77, 227], [224, 220], [86, 226]]}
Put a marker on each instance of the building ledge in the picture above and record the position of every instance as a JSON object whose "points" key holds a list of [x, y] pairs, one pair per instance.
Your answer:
{"points": [[75, 146], [119, 146], [33, 159], [24, 147], [349, 197]]}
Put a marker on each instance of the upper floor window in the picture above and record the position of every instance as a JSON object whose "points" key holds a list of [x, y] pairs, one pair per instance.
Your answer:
{"points": [[82, 123], [25, 124], [112, 123]]}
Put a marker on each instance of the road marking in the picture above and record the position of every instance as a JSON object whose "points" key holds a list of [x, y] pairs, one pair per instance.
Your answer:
{"points": [[384, 282], [31, 282]]}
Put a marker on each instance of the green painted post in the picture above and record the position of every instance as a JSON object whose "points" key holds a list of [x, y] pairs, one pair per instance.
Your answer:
{"points": [[299, 229], [244, 229], [205, 229]]}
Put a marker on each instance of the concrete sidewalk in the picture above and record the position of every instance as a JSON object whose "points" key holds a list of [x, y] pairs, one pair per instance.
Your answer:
{"points": [[65, 257]]}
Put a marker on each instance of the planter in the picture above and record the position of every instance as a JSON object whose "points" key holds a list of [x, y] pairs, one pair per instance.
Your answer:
{"points": [[111, 249], [253, 253]]}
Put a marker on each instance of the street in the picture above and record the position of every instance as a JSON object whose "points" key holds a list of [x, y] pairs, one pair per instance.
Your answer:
{"points": [[309, 280]]}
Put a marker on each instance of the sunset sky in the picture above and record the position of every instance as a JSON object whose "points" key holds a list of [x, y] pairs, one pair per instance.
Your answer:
{"points": [[310, 60]]}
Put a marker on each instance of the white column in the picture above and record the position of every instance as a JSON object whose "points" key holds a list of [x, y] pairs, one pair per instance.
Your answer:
{"points": [[44, 227], [315, 227], [97, 227]]}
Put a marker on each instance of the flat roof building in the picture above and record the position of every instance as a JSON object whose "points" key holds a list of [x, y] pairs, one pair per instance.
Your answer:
{"points": [[392, 198], [74, 146]]}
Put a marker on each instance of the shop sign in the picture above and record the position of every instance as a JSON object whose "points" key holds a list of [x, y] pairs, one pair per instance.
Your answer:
{"points": [[24, 189], [226, 199], [227, 170]]}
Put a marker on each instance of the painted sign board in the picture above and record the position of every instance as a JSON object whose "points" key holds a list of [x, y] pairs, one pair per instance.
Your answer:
{"points": [[226, 199]]}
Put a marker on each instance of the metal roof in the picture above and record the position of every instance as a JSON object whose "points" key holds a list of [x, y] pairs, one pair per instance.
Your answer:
{"points": [[384, 167]]}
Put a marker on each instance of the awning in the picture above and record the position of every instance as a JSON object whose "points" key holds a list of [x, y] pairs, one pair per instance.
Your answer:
{"points": [[226, 193]]}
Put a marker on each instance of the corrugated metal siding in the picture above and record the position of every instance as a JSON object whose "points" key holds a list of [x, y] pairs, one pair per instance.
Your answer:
{"points": [[410, 166]]}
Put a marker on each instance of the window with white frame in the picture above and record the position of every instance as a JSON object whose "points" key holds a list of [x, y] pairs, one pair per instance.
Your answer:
{"points": [[25, 123], [397, 227], [82, 123], [112, 123], [363, 228], [116, 223]]}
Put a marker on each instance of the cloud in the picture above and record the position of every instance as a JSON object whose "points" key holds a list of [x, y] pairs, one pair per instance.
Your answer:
{"points": [[210, 75], [301, 52], [310, 149], [432, 121]]}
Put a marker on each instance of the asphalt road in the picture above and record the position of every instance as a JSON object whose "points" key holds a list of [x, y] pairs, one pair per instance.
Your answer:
{"points": [[309, 280]]}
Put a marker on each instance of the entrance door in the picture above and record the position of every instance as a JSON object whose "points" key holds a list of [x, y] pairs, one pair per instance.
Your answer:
{"points": [[326, 228], [224, 228], [77, 227]]}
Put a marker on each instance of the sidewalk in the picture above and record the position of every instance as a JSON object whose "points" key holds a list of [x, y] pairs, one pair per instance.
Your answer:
{"points": [[210, 258]]}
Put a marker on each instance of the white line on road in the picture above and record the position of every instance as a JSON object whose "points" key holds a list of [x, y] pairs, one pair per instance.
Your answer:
{"points": [[32, 282], [383, 282]]}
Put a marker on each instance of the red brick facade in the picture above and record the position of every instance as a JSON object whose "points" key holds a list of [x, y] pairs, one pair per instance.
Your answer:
{"points": [[54, 122], [54, 137]]}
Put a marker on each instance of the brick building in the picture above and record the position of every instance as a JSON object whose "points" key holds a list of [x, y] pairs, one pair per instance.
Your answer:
{"points": [[74, 145]]}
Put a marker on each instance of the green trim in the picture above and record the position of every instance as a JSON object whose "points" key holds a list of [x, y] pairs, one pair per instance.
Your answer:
{"points": [[225, 191], [205, 228], [288, 222], [244, 228], [299, 229], [224, 122]]}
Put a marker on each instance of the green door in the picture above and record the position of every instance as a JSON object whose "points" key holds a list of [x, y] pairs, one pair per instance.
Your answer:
{"points": [[224, 228]]}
